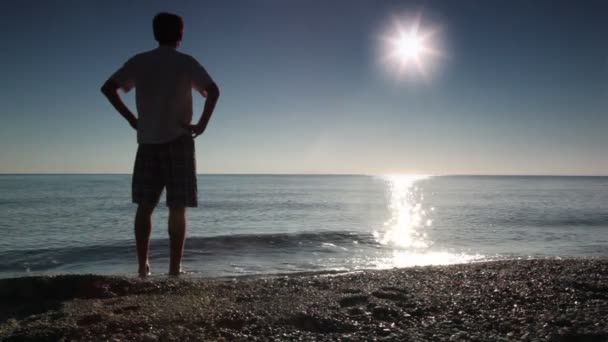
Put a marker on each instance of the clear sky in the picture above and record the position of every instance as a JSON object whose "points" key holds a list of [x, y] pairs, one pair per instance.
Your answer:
{"points": [[522, 87]]}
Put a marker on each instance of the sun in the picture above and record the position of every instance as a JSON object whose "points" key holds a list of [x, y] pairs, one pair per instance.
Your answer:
{"points": [[408, 45]]}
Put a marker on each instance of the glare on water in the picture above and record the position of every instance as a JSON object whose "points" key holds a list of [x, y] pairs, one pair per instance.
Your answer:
{"points": [[405, 232], [404, 228]]}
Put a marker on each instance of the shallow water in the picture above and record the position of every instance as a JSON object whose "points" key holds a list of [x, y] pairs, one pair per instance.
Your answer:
{"points": [[259, 224]]}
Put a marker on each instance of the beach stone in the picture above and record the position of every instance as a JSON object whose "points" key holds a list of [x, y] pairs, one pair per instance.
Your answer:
{"points": [[312, 323], [384, 313], [384, 332], [149, 337], [234, 323], [356, 311], [351, 291], [461, 335], [90, 319], [353, 300]]}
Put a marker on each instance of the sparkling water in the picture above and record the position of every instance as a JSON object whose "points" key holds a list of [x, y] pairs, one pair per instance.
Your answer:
{"points": [[261, 224]]}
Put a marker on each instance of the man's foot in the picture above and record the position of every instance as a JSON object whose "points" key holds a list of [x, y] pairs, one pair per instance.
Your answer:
{"points": [[174, 273], [145, 272]]}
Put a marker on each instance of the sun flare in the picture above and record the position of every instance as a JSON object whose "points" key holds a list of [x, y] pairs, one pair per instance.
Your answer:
{"points": [[407, 44]]}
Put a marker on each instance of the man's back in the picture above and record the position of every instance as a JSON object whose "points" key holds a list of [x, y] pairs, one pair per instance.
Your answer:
{"points": [[165, 156], [164, 78]]}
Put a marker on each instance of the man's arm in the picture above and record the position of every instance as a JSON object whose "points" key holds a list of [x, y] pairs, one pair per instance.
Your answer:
{"points": [[213, 94], [110, 90]]}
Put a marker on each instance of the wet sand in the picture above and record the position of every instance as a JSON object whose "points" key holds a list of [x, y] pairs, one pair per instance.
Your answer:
{"points": [[520, 300]]}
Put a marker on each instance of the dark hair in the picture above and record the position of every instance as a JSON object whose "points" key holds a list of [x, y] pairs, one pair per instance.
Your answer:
{"points": [[168, 28]]}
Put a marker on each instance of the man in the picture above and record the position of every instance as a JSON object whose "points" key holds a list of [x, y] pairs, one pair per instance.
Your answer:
{"points": [[164, 79]]}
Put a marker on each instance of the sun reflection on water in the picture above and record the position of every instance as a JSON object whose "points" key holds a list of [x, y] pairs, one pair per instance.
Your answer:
{"points": [[404, 231]]}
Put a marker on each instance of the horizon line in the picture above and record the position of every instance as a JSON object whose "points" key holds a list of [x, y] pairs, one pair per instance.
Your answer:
{"points": [[315, 174]]}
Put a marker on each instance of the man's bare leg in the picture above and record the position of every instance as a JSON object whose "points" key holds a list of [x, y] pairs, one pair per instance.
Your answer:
{"points": [[143, 228], [177, 236]]}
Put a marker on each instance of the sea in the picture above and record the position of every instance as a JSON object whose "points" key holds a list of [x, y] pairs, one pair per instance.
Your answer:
{"points": [[280, 224]]}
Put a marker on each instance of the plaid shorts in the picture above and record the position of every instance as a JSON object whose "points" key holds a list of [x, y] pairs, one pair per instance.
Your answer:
{"points": [[171, 165]]}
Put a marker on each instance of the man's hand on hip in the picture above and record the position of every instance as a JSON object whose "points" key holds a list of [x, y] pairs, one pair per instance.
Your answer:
{"points": [[195, 130]]}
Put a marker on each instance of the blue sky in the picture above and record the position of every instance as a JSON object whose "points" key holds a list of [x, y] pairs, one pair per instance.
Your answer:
{"points": [[522, 87]]}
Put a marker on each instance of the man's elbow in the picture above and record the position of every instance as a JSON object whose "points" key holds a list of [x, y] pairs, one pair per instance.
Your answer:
{"points": [[109, 88], [213, 91]]}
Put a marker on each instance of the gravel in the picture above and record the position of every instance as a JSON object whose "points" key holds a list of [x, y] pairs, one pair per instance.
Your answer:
{"points": [[516, 300]]}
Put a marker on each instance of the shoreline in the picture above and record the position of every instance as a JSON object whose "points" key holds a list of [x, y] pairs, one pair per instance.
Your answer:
{"points": [[201, 276], [537, 299]]}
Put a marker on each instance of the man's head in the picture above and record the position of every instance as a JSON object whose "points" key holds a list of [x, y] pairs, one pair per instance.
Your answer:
{"points": [[168, 29]]}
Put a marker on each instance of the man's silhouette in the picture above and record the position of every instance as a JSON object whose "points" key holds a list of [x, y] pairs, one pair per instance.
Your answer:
{"points": [[164, 79]]}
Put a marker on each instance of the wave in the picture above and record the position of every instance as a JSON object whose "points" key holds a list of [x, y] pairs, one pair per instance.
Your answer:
{"points": [[212, 247], [280, 240], [579, 220], [271, 204]]}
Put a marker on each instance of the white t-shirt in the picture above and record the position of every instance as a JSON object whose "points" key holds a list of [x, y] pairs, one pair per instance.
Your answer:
{"points": [[163, 78]]}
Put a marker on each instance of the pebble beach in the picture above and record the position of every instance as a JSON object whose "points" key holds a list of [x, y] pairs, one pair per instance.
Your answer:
{"points": [[516, 300]]}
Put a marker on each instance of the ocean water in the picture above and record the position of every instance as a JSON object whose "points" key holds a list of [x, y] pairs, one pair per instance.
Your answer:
{"points": [[265, 224]]}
